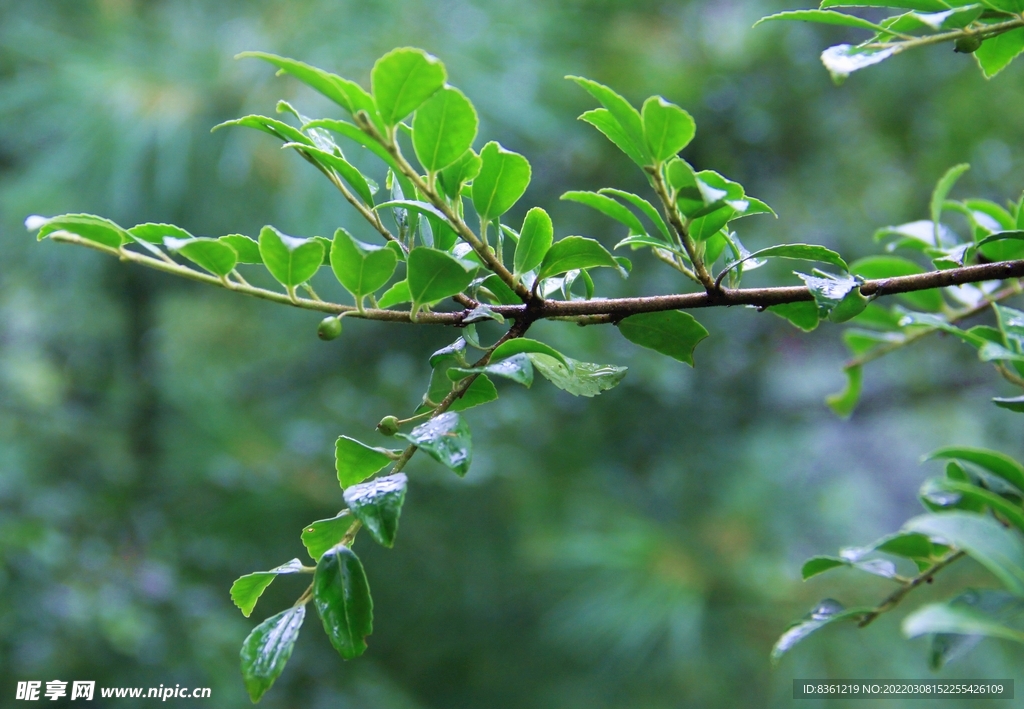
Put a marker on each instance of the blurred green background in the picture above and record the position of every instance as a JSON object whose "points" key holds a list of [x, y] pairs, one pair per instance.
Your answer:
{"points": [[160, 438]]}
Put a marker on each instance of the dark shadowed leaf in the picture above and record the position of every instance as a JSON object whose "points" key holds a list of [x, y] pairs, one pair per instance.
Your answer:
{"points": [[342, 598], [671, 332]]}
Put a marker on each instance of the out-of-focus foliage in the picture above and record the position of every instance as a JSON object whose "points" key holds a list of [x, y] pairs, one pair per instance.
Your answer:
{"points": [[157, 440]]}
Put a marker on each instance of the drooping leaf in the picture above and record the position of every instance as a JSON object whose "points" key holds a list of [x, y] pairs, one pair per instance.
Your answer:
{"points": [[957, 620], [247, 249], [800, 252], [919, 5], [844, 402], [609, 207], [378, 505], [996, 606], [213, 255], [290, 260], [828, 290], [343, 167], [326, 534], [996, 53], [670, 332], [803, 315], [667, 128], [434, 275], [502, 180], [444, 129], [446, 439], [403, 80], [630, 124], [819, 565], [88, 226], [577, 378], [481, 391], [267, 649], [942, 188], [978, 498], [1011, 325], [534, 241], [361, 268], [518, 368], [574, 252], [826, 612], [357, 461], [998, 549], [342, 598], [993, 461], [347, 94], [525, 344], [246, 590]]}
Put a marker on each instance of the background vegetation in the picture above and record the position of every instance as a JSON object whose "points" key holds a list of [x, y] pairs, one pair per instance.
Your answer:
{"points": [[159, 439]]}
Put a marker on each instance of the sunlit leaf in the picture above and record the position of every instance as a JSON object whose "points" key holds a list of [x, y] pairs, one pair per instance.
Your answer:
{"points": [[444, 129], [403, 80], [504, 176]]}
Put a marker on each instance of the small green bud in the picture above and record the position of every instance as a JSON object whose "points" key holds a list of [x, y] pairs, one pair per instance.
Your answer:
{"points": [[968, 44], [329, 328], [388, 425]]}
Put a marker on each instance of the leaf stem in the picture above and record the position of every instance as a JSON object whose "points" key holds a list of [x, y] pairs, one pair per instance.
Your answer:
{"points": [[909, 585]]}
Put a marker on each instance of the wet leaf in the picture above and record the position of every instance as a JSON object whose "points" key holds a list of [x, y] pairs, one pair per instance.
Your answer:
{"points": [[378, 505], [446, 439], [342, 598], [578, 378], [827, 612], [267, 649], [246, 590]]}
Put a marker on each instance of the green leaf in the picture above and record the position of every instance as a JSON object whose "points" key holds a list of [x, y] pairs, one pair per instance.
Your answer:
{"points": [[993, 461], [957, 620], [984, 539], [574, 252], [361, 268], [396, 294], [246, 247], [347, 94], [996, 53], [670, 332], [403, 80], [481, 391], [502, 294], [577, 378], [88, 226], [844, 402], [266, 650], [609, 207], [350, 131], [214, 255], [326, 534], [534, 241], [433, 275], [412, 205], [828, 290], [631, 129], [802, 315], [842, 59], [502, 180], [378, 505], [980, 498], [330, 161], [453, 177], [920, 5], [525, 344], [604, 121], [876, 267], [290, 260], [272, 126], [1011, 324], [342, 598], [942, 188], [826, 612], [644, 206], [246, 590], [825, 17], [357, 461], [1014, 404], [994, 605], [518, 368], [444, 129], [667, 128], [819, 565], [446, 439], [155, 233], [1003, 246]]}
